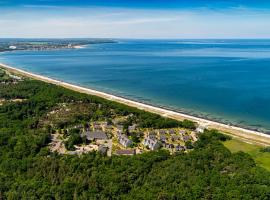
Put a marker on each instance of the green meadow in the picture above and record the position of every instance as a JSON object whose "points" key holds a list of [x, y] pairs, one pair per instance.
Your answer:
{"points": [[261, 158]]}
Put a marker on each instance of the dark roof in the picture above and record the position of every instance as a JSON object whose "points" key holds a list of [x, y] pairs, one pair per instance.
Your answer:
{"points": [[186, 137], [167, 145], [125, 152], [152, 136], [162, 131], [175, 137], [102, 149], [99, 135], [179, 148], [163, 137]]}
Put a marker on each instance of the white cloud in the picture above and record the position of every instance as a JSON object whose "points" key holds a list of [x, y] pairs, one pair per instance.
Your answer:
{"points": [[134, 23]]}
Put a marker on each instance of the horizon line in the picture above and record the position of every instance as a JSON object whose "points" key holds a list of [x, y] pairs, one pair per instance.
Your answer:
{"points": [[162, 38]]}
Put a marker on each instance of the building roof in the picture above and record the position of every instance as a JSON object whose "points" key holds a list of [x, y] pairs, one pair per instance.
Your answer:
{"points": [[102, 149], [151, 143], [98, 135], [152, 137], [179, 148], [167, 145], [201, 129], [186, 138], [124, 140], [132, 128], [163, 137], [162, 131], [126, 152], [182, 132], [175, 137]]}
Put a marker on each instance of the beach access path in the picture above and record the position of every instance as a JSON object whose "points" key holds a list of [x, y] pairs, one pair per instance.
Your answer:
{"points": [[247, 135]]}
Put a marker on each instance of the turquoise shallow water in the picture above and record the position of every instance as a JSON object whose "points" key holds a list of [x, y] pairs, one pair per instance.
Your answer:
{"points": [[223, 80]]}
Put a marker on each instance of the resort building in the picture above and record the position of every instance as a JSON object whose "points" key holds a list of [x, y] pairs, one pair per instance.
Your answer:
{"points": [[124, 141], [151, 143], [126, 152], [200, 129], [102, 149], [162, 138], [95, 135], [179, 148], [175, 137], [132, 128], [171, 131], [152, 136], [162, 131], [120, 128], [168, 146], [194, 136], [186, 138], [97, 126], [182, 132]]}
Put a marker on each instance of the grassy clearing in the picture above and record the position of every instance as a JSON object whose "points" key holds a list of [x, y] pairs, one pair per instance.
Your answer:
{"points": [[261, 158]]}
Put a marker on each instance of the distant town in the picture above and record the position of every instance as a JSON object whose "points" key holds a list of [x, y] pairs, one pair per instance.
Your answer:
{"points": [[50, 44]]}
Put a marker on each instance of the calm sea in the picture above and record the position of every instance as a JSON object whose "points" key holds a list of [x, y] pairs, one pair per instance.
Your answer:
{"points": [[223, 80]]}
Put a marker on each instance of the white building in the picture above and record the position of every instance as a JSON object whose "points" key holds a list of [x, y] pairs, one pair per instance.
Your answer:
{"points": [[200, 129], [124, 141], [151, 143]]}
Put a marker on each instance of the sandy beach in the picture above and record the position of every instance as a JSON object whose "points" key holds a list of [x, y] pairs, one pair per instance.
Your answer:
{"points": [[241, 133]]}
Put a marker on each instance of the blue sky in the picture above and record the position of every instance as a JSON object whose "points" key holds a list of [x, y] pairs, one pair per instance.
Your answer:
{"points": [[135, 18], [143, 3]]}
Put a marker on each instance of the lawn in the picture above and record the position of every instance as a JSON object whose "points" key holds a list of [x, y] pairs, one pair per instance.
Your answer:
{"points": [[262, 159]]}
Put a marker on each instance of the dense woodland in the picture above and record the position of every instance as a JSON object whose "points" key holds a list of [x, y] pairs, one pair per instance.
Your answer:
{"points": [[28, 170]]}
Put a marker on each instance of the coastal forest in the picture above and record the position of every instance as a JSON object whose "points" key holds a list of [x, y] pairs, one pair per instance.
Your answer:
{"points": [[29, 170]]}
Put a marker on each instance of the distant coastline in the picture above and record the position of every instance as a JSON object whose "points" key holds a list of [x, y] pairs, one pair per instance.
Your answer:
{"points": [[45, 45], [243, 133]]}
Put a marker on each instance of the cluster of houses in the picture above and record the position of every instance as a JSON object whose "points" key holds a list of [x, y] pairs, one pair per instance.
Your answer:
{"points": [[103, 126], [151, 142], [95, 135], [114, 139], [168, 139], [124, 140], [172, 139]]}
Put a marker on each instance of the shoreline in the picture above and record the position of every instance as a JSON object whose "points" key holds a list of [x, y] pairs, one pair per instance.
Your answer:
{"points": [[234, 131]]}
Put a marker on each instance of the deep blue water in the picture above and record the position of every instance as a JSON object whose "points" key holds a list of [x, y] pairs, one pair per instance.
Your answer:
{"points": [[224, 80]]}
